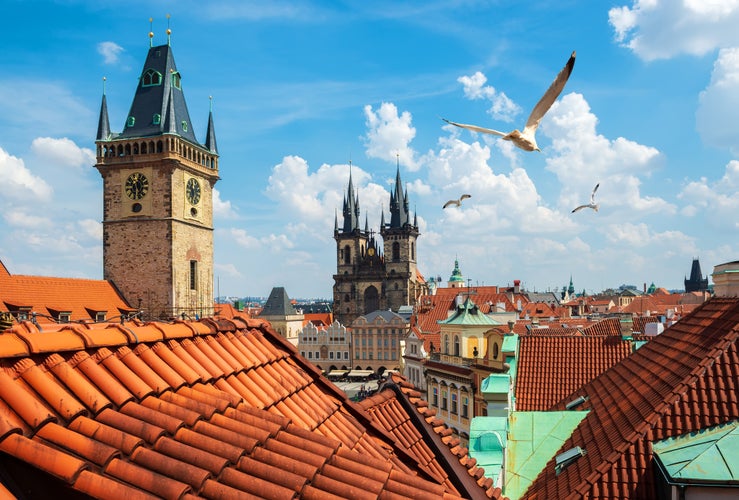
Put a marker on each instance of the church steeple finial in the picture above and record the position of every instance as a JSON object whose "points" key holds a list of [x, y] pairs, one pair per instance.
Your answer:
{"points": [[210, 134], [151, 32], [103, 123], [169, 31]]}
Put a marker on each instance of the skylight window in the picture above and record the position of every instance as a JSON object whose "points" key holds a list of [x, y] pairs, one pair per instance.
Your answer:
{"points": [[563, 460], [151, 78]]}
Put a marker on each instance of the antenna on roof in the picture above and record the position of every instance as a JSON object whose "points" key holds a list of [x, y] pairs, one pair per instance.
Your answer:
{"points": [[151, 31], [169, 31]]}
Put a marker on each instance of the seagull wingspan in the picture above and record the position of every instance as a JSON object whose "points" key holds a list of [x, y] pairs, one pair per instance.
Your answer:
{"points": [[450, 203], [475, 128], [580, 208], [592, 195], [549, 96]]}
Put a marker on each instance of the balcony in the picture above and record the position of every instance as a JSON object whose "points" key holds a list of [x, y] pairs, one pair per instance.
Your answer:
{"points": [[450, 359]]}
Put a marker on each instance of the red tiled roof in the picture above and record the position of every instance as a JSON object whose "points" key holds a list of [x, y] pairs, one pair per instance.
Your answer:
{"points": [[48, 296], [683, 380], [215, 408], [551, 368], [398, 407], [434, 308]]}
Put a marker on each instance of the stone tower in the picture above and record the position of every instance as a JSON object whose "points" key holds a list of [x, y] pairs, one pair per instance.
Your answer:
{"points": [[370, 274], [696, 282], [158, 197]]}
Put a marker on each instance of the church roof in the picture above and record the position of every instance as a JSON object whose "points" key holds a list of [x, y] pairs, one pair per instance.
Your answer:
{"points": [[159, 93]]}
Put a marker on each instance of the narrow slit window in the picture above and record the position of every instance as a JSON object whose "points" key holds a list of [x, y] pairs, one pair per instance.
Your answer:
{"points": [[193, 274]]}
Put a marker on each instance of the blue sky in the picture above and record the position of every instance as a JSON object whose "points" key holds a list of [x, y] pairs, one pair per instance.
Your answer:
{"points": [[300, 89]]}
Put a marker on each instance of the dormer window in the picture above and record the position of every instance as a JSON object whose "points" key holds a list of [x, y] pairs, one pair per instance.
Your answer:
{"points": [[176, 79], [130, 121], [64, 317], [151, 78], [184, 126], [156, 119]]}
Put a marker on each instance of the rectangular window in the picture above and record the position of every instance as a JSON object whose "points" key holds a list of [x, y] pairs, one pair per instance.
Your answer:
{"points": [[64, 317], [346, 354], [436, 397], [454, 403], [465, 404], [331, 355], [443, 400], [100, 316], [310, 354], [193, 274], [318, 355]]}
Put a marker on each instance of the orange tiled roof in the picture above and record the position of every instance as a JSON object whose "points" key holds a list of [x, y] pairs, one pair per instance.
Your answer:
{"points": [[551, 368], [398, 407], [683, 380], [214, 408], [48, 296]]}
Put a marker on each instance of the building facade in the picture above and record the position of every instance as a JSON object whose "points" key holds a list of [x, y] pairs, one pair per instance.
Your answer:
{"points": [[158, 197], [376, 341], [328, 347], [373, 274]]}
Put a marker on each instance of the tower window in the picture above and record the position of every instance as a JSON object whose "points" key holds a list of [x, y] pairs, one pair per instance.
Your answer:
{"points": [[176, 79], [151, 78], [193, 274], [396, 251], [156, 119], [131, 121], [184, 126]]}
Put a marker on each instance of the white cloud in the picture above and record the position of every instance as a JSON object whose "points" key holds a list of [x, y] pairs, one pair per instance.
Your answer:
{"points": [[19, 182], [580, 157], [92, 228], [501, 106], [222, 208], [62, 152], [719, 103], [389, 135], [22, 219], [719, 200], [110, 52], [662, 29]]}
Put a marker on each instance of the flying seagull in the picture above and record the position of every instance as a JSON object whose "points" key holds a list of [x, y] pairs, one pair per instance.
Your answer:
{"points": [[526, 140], [458, 202], [595, 206]]}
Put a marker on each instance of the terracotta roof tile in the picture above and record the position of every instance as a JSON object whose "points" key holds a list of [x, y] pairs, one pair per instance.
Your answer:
{"points": [[207, 412], [659, 391], [551, 368]]}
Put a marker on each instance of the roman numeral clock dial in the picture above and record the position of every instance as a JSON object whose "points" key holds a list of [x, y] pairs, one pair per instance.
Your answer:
{"points": [[137, 185], [192, 191]]}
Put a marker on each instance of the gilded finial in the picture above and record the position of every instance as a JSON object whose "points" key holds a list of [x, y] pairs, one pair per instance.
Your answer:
{"points": [[151, 31], [169, 31]]}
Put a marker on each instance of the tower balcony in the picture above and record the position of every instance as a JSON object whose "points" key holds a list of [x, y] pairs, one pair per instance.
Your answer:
{"points": [[164, 147]]}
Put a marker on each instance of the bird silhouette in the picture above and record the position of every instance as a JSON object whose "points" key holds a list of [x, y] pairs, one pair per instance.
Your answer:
{"points": [[458, 202], [526, 140], [595, 206]]}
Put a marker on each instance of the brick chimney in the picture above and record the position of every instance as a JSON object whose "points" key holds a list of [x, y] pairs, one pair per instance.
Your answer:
{"points": [[726, 279]]}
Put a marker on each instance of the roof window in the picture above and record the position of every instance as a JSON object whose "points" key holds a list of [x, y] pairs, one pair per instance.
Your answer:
{"points": [[176, 78], [151, 78], [566, 458], [156, 119]]}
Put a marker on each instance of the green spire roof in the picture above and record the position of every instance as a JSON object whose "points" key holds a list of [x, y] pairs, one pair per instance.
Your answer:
{"points": [[456, 276], [467, 313]]}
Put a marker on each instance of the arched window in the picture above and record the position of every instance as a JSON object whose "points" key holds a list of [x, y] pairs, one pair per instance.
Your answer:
{"points": [[396, 251], [150, 78], [456, 345], [446, 344], [347, 255], [371, 300]]}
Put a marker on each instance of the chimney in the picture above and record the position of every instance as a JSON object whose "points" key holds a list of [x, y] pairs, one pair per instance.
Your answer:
{"points": [[516, 286], [726, 279]]}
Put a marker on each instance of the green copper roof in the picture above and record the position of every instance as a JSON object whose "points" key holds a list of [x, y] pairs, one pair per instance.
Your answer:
{"points": [[487, 444], [707, 456], [510, 343], [468, 313], [456, 274], [534, 437], [496, 383]]}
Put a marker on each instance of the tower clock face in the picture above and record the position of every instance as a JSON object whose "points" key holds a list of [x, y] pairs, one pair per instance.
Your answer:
{"points": [[192, 191], [137, 185]]}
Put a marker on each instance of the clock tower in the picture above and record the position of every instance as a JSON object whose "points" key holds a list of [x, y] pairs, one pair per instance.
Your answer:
{"points": [[158, 197]]}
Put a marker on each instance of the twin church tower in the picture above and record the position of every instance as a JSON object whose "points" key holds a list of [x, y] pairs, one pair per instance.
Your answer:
{"points": [[158, 184]]}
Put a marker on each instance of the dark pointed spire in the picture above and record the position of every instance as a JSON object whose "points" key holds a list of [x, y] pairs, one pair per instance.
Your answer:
{"points": [[210, 134], [351, 207], [336, 221], [103, 123], [382, 220], [398, 203]]}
